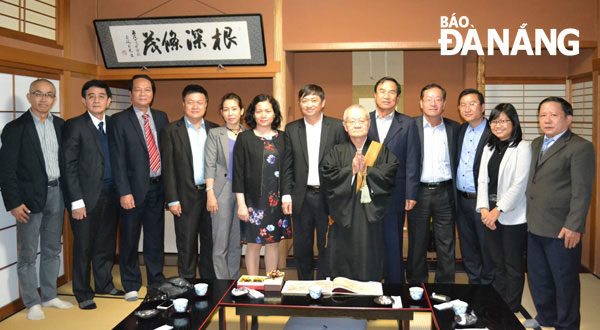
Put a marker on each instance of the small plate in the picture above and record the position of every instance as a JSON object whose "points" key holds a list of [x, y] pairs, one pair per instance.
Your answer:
{"points": [[384, 300], [146, 313], [239, 291]]}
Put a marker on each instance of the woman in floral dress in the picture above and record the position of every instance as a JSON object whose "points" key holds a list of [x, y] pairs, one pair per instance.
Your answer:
{"points": [[257, 164]]}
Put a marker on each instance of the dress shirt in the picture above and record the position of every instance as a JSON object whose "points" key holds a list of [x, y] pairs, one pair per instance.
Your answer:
{"points": [[464, 176], [49, 143], [80, 203], [436, 157], [139, 114], [551, 141], [383, 124], [313, 142], [197, 141]]}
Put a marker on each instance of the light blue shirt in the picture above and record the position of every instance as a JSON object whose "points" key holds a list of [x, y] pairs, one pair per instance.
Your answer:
{"points": [[465, 181], [197, 141], [552, 140]]}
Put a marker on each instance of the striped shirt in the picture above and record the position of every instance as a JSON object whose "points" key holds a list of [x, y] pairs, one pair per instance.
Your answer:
{"points": [[49, 143]]}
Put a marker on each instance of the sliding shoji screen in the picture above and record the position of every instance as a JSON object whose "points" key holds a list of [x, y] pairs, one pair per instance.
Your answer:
{"points": [[582, 101], [525, 98]]}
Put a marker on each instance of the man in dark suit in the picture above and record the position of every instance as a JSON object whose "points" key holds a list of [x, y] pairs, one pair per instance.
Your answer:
{"points": [[438, 137], [309, 139], [90, 195], [472, 137], [137, 169], [399, 133], [559, 193], [182, 146], [29, 180]]}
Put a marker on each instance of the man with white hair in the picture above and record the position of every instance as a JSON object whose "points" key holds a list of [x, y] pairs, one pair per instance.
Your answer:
{"points": [[358, 180]]}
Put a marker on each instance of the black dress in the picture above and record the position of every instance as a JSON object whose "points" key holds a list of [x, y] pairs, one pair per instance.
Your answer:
{"points": [[267, 223]]}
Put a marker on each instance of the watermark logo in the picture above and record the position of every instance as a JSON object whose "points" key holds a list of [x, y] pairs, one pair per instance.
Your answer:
{"points": [[454, 41]]}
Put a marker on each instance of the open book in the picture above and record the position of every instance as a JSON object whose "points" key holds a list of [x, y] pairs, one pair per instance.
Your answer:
{"points": [[340, 285]]}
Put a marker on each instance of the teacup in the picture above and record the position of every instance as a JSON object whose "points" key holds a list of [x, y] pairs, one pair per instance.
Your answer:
{"points": [[460, 307], [315, 292], [180, 305], [201, 288], [416, 293]]}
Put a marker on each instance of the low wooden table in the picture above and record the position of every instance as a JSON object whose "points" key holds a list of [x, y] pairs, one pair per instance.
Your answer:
{"points": [[362, 307], [491, 310], [199, 311]]}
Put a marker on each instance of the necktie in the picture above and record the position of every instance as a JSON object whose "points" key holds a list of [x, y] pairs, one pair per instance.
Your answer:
{"points": [[545, 147], [101, 128], [152, 149]]}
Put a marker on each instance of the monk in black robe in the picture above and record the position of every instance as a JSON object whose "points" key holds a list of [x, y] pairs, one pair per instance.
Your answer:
{"points": [[357, 202]]}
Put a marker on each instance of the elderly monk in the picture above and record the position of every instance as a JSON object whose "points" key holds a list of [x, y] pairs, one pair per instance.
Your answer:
{"points": [[358, 182]]}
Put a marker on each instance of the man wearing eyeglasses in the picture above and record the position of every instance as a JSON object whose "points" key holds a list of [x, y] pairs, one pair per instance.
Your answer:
{"points": [[358, 181], [29, 180], [438, 137], [472, 137]]}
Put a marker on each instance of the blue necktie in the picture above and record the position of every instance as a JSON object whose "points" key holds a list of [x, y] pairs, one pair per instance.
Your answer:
{"points": [[101, 128]]}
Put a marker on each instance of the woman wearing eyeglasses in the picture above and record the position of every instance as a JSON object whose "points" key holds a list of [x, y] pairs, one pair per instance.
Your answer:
{"points": [[501, 201]]}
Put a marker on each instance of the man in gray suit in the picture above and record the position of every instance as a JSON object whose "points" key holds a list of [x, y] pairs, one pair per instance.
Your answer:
{"points": [[559, 193]]}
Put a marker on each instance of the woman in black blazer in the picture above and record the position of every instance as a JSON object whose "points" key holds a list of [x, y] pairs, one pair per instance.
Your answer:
{"points": [[257, 164]]}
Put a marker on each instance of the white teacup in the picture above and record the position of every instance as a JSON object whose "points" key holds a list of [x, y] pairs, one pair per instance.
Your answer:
{"points": [[201, 288], [416, 293], [180, 305], [460, 307], [315, 292]]}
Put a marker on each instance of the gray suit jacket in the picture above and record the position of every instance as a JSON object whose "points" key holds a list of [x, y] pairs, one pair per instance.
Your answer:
{"points": [[216, 157], [560, 186]]}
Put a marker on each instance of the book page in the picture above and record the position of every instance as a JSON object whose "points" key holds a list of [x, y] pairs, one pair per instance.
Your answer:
{"points": [[344, 285], [301, 287]]}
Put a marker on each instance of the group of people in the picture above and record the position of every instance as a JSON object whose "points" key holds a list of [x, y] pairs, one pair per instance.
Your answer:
{"points": [[352, 181]]}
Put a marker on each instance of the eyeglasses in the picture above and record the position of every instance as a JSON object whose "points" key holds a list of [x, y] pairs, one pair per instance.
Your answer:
{"points": [[472, 105], [499, 122], [353, 122], [39, 94]]}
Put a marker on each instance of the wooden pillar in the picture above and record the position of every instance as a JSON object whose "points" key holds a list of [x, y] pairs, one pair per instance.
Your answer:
{"points": [[279, 55], [481, 74]]}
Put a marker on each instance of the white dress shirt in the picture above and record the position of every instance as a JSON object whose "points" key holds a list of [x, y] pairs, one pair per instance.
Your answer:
{"points": [[436, 156]]}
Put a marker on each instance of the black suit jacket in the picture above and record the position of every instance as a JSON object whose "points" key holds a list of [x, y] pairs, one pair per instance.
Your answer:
{"points": [[83, 159], [482, 142], [178, 163], [23, 178], [296, 155], [402, 139], [248, 155], [452, 129], [129, 154]]}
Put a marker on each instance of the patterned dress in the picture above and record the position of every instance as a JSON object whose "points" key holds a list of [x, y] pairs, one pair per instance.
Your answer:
{"points": [[267, 223]]}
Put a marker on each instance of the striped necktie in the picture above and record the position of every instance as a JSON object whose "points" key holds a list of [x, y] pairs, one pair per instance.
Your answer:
{"points": [[152, 149]]}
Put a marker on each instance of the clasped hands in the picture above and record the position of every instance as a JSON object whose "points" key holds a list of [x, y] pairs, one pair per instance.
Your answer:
{"points": [[359, 165], [489, 218]]}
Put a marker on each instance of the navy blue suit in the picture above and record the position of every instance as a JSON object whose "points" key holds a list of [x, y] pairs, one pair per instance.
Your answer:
{"points": [[402, 140]]}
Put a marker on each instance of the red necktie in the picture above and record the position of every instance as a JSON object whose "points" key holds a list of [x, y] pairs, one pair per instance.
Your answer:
{"points": [[152, 149]]}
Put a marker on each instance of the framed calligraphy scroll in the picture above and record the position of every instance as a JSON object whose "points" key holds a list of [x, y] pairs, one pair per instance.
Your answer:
{"points": [[182, 41]]}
